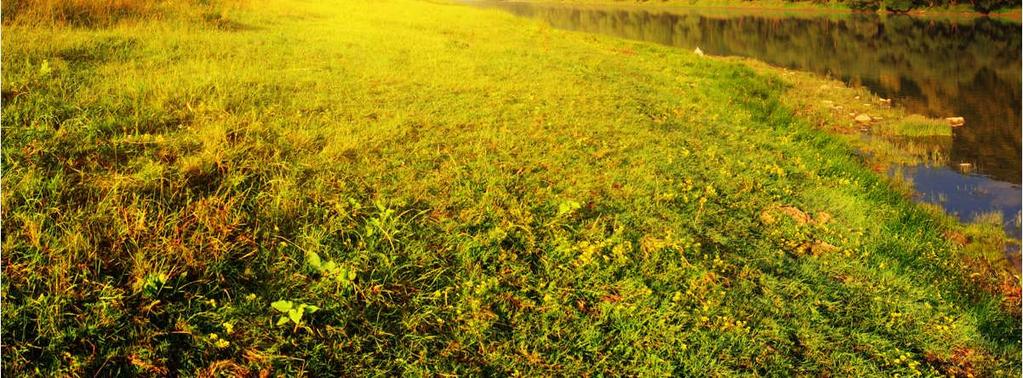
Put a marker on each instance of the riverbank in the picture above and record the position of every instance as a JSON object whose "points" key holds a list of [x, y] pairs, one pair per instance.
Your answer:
{"points": [[456, 191], [980, 84], [782, 6]]}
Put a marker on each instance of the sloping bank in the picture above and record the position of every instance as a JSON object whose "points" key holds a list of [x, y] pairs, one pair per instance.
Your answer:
{"points": [[416, 188]]}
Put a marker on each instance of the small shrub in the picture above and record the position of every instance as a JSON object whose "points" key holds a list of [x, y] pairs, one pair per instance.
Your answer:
{"points": [[871, 5], [899, 6], [986, 6]]}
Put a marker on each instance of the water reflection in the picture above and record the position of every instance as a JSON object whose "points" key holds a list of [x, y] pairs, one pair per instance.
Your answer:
{"points": [[966, 195]]}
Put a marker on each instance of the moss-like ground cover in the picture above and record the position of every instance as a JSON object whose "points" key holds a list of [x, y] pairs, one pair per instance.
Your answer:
{"points": [[404, 187]]}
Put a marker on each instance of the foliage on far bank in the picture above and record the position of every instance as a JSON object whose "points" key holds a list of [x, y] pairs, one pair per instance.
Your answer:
{"points": [[902, 6]]}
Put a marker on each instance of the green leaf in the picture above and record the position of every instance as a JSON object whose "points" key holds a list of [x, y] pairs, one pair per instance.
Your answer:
{"points": [[282, 306], [282, 321], [295, 315], [329, 266], [568, 207], [313, 260], [310, 308]]}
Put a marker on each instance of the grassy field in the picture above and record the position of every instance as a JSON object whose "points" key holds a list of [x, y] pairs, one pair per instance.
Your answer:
{"points": [[405, 187]]}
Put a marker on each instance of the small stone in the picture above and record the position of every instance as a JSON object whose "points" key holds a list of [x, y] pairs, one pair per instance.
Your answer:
{"points": [[956, 121], [885, 101], [863, 118], [965, 167]]}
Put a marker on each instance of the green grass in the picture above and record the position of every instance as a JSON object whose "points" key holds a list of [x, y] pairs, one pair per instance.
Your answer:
{"points": [[438, 189], [920, 126]]}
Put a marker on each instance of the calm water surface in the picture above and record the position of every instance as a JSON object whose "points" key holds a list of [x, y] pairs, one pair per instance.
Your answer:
{"points": [[937, 67]]}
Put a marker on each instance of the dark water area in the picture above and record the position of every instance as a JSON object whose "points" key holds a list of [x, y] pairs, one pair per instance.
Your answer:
{"points": [[964, 192], [966, 67]]}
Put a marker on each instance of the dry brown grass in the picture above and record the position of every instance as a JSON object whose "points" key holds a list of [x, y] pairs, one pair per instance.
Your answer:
{"points": [[76, 12], [98, 13]]}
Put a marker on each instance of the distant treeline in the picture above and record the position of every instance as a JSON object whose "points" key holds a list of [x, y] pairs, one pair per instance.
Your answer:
{"points": [[983, 6]]}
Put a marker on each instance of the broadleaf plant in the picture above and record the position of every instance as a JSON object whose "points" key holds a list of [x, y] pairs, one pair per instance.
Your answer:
{"points": [[292, 311]]}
